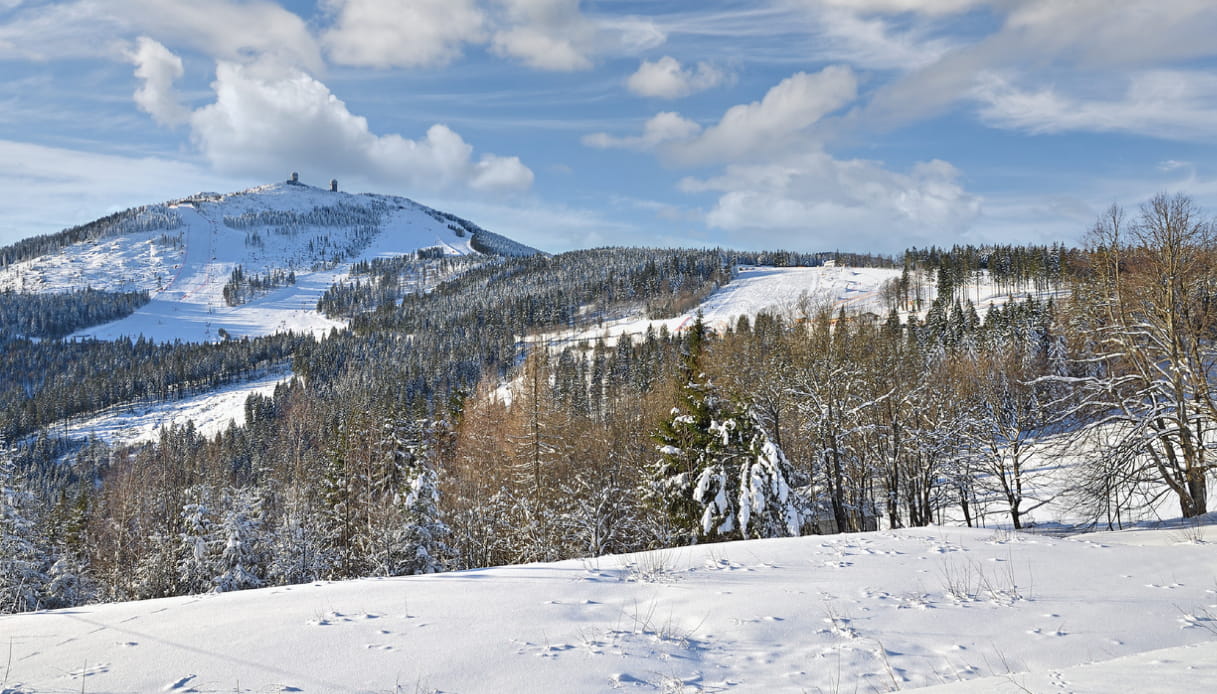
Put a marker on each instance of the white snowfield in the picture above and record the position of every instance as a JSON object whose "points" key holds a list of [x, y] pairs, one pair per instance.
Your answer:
{"points": [[212, 413], [187, 277], [790, 292], [961, 610]]}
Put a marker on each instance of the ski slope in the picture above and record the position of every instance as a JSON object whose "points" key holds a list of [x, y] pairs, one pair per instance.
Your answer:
{"points": [[950, 608]]}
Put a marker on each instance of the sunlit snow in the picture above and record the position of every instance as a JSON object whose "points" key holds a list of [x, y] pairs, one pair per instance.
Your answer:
{"points": [[885, 611]]}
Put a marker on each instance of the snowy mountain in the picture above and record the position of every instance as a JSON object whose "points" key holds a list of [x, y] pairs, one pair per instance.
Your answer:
{"points": [[241, 264]]}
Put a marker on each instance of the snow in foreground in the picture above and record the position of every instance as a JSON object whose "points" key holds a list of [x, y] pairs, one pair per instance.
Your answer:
{"points": [[871, 612]]}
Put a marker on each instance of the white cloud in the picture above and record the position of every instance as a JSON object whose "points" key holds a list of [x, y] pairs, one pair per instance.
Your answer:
{"points": [[746, 131], [665, 126], [267, 118], [848, 34], [1098, 33], [402, 33], [556, 35], [1167, 104], [495, 174], [829, 203], [1045, 38], [667, 79], [546, 34], [928, 7], [767, 126], [158, 69], [68, 30], [227, 29]]}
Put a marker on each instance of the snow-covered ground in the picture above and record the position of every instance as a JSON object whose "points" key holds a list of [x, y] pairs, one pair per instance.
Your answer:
{"points": [[788, 291], [211, 413], [963, 609]]}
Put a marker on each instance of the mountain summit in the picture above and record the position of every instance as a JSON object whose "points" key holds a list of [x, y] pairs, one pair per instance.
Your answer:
{"points": [[247, 263]]}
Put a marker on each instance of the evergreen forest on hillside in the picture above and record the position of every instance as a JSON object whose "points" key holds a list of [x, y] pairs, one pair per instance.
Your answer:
{"points": [[396, 450]]}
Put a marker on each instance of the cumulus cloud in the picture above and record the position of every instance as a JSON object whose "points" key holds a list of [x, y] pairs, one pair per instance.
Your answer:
{"points": [[402, 33], [667, 79], [546, 34], [830, 203], [767, 126], [266, 115], [666, 126], [157, 69], [746, 131], [556, 35], [1169, 104]]}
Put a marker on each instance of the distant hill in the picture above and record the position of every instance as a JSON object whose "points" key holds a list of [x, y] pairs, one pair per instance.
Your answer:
{"points": [[249, 263]]}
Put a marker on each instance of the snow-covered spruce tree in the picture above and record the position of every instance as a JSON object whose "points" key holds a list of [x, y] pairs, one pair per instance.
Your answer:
{"points": [[418, 537], [242, 560], [404, 533], [21, 577], [69, 582], [197, 547], [298, 552], [719, 476]]}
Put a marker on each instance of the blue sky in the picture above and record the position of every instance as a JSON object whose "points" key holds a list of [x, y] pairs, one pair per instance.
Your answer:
{"points": [[862, 125]]}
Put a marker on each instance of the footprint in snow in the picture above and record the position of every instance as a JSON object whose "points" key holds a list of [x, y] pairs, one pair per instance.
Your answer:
{"points": [[179, 684]]}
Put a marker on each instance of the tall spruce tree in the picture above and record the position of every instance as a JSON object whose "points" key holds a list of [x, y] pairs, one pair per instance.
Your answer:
{"points": [[719, 476]]}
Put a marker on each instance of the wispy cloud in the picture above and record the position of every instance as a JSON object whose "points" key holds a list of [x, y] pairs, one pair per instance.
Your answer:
{"points": [[1169, 104]]}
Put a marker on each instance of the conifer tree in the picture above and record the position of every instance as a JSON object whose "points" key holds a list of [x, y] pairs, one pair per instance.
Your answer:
{"points": [[242, 558], [719, 476], [196, 549]]}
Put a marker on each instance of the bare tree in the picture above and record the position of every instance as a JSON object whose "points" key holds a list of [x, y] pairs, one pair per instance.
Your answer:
{"points": [[1152, 294]]}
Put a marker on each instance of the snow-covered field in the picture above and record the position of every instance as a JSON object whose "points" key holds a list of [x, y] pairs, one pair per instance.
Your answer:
{"points": [[211, 413], [788, 291], [967, 609]]}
